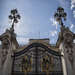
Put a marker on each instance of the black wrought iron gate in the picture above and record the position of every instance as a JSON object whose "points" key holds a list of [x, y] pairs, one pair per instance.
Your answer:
{"points": [[37, 59]]}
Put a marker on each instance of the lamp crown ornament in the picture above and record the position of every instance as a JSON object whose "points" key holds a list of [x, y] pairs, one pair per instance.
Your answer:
{"points": [[14, 17], [60, 15]]}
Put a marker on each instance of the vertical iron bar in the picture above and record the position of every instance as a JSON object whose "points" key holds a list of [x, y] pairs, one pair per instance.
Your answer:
{"points": [[13, 57], [36, 60]]}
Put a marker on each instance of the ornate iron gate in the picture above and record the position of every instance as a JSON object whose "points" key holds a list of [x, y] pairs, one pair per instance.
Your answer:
{"points": [[37, 59]]}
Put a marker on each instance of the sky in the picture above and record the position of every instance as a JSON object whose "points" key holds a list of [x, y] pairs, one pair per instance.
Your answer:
{"points": [[37, 18]]}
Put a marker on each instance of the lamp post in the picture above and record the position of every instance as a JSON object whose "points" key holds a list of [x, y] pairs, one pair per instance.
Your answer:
{"points": [[14, 17], [60, 15]]}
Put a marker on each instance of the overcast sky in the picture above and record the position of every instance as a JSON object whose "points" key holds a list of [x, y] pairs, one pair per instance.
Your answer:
{"points": [[37, 20]]}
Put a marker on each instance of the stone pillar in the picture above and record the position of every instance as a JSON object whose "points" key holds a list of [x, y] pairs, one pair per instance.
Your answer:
{"points": [[6, 68], [68, 60], [63, 60], [0, 61]]}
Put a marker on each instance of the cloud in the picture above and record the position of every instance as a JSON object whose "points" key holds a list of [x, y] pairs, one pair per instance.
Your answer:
{"points": [[54, 22], [74, 13], [22, 40], [72, 28], [73, 7], [72, 1], [53, 33], [72, 4], [72, 25], [53, 36], [62, 2]]}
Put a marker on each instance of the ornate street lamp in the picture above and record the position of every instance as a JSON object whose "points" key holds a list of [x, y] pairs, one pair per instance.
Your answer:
{"points": [[14, 17], [60, 15]]}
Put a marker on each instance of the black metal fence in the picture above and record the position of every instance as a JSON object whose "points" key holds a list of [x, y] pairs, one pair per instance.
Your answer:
{"points": [[39, 73]]}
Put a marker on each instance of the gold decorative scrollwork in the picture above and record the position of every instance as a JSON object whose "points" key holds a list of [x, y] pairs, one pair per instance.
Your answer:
{"points": [[46, 64], [26, 64]]}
